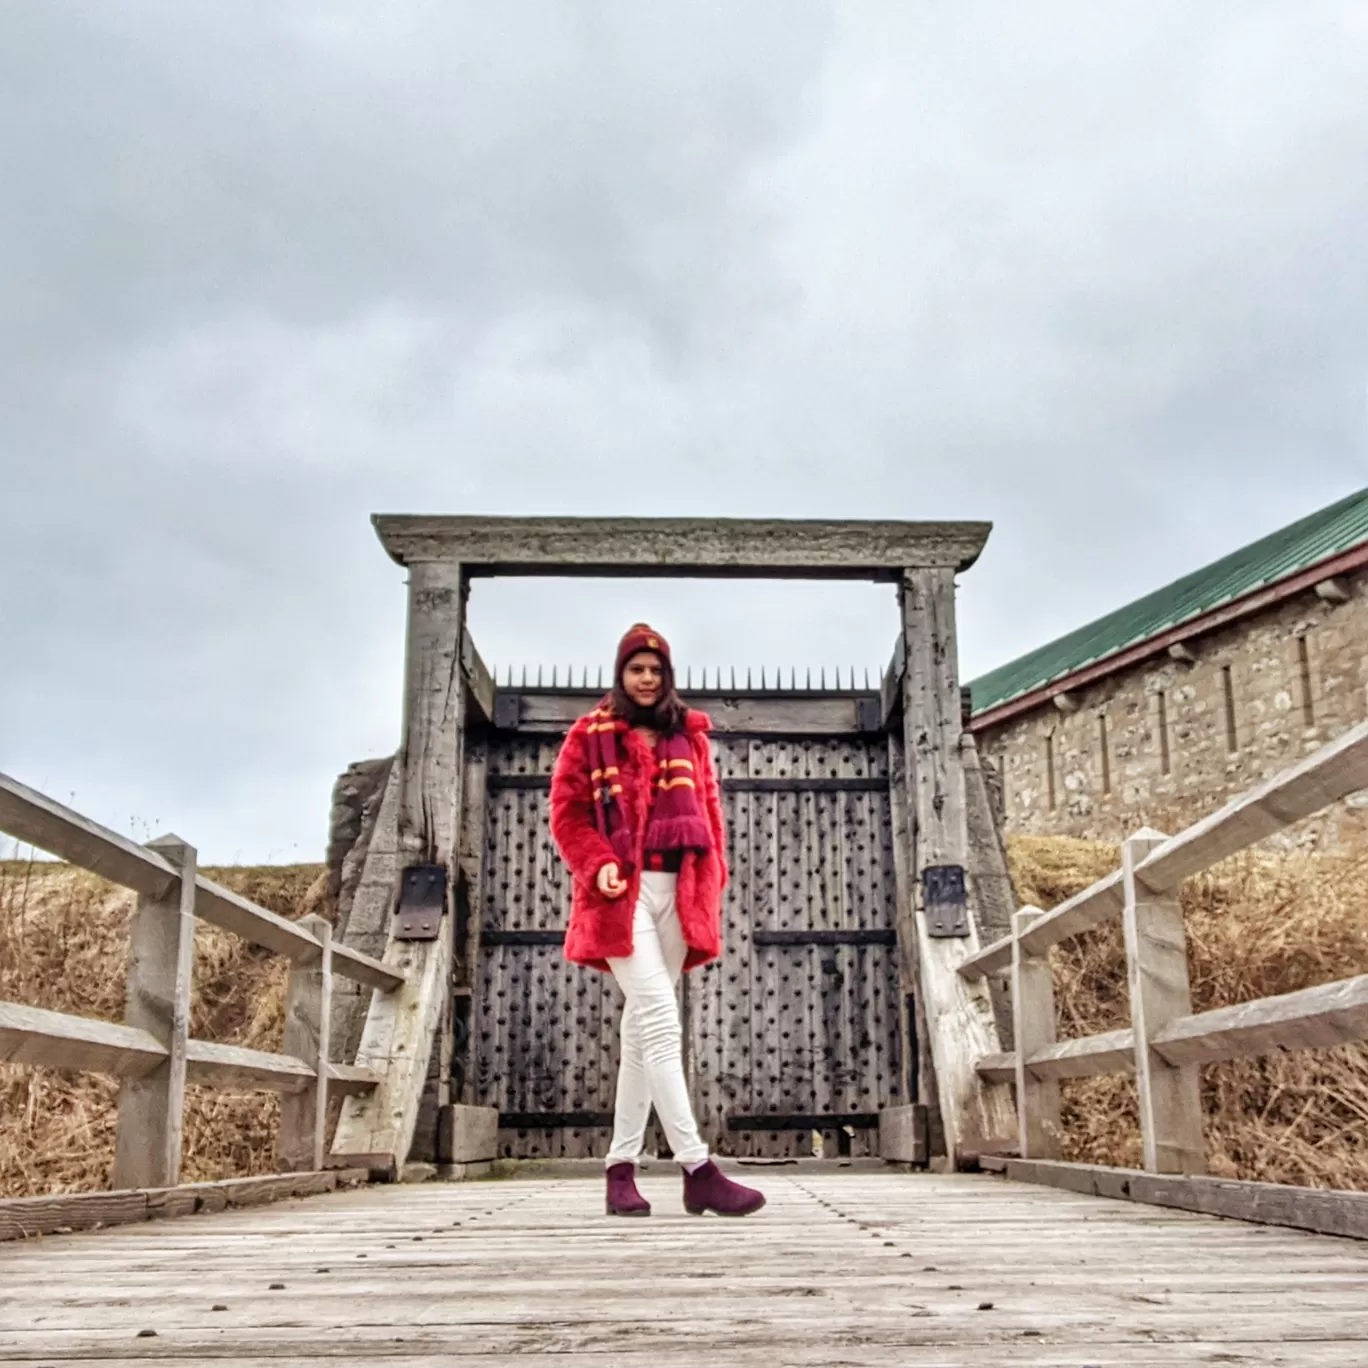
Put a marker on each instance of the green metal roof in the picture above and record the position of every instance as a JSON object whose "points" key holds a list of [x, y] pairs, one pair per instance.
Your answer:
{"points": [[1328, 533]]}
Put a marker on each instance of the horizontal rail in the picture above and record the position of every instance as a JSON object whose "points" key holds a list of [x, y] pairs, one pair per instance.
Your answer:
{"points": [[1316, 1018], [60, 1040], [1083, 1057], [1309, 1019], [37, 820], [361, 968], [57, 1040]]}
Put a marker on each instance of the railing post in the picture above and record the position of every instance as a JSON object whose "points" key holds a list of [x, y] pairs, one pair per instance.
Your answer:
{"points": [[1033, 1025], [308, 1012], [161, 967], [1157, 972]]}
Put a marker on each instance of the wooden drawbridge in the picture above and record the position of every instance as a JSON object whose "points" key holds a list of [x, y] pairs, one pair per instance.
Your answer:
{"points": [[882, 1002]]}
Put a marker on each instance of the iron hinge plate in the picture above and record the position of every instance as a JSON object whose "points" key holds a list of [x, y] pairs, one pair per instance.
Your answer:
{"points": [[422, 903], [945, 900], [507, 710]]}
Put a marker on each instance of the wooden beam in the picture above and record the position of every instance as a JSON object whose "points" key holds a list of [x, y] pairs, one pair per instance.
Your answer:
{"points": [[480, 686], [235, 1066], [1086, 1056], [256, 925], [56, 1040], [999, 1067], [37, 820], [361, 968], [959, 1014], [346, 1079], [1310, 1019], [1094, 905], [161, 965], [682, 547], [1033, 1025], [1156, 960], [24, 1218], [914, 1035], [1327, 1212], [308, 1009], [792, 715], [401, 1026]]}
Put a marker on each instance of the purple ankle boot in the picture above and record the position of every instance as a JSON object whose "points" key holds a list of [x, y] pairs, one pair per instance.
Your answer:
{"points": [[709, 1189], [623, 1197]]}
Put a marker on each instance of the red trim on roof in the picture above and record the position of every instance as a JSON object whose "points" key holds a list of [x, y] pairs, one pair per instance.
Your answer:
{"points": [[1353, 559]]}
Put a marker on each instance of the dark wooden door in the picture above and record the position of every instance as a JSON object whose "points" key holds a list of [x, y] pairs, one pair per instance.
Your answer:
{"points": [[792, 1038]]}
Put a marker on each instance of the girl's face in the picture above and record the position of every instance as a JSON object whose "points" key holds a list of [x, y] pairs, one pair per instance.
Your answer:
{"points": [[643, 679]]}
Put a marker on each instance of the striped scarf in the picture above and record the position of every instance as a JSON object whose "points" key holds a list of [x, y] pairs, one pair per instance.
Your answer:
{"points": [[676, 821]]}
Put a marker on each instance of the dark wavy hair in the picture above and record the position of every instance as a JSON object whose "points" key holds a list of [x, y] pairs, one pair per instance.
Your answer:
{"points": [[669, 714]]}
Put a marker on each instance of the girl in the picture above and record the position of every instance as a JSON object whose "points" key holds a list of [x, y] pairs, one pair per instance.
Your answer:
{"points": [[637, 815]]}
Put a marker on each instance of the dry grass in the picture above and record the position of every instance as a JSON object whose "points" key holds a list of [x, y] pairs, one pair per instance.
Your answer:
{"points": [[1260, 924], [63, 941]]}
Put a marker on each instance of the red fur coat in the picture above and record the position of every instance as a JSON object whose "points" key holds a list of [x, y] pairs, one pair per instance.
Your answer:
{"points": [[601, 928]]}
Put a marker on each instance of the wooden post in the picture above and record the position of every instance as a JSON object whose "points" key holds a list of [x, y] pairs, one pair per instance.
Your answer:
{"points": [[397, 1041], [914, 1034], [958, 1013], [308, 1011], [161, 967], [1156, 961], [1033, 1026]]}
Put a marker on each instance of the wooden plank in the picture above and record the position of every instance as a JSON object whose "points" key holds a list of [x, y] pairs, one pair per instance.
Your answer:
{"points": [[1322, 778], [308, 1012], [345, 1079], [995, 958], [1309, 1019], [235, 1066], [22, 1218], [55, 1040], [1033, 1025], [958, 1012], [360, 968], [1156, 960], [914, 1032], [784, 715], [34, 819], [480, 686], [690, 547], [902, 1135], [161, 965], [256, 925], [1094, 905], [401, 1027], [1086, 1056], [1327, 1212], [999, 1067]]}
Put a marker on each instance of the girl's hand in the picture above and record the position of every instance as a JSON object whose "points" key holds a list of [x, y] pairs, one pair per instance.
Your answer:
{"points": [[610, 884]]}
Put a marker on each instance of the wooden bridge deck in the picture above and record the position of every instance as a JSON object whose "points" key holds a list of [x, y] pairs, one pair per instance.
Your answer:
{"points": [[852, 1267]]}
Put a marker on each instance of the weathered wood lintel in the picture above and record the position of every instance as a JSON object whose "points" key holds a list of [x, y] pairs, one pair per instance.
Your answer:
{"points": [[726, 548]]}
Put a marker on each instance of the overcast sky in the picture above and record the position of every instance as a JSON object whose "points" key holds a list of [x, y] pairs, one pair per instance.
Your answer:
{"points": [[1097, 272]]}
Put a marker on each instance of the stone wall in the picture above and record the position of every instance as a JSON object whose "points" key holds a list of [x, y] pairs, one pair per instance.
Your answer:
{"points": [[1168, 741]]}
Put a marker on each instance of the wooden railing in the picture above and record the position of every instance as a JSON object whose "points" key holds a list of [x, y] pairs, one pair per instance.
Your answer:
{"points": [[1166, 1042], [152, 1051]]}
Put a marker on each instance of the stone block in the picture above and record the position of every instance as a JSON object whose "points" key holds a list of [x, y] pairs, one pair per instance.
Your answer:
{"points": [[467, 1135]]}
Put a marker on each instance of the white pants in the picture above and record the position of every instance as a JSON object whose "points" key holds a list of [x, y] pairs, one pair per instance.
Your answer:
{"points": [[652, 1065]]}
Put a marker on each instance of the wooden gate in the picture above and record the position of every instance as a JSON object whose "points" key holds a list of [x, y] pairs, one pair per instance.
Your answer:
{"points": [[796, 1033]]}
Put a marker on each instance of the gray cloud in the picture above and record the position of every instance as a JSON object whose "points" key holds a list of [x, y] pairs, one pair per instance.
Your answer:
{"points": [[1094, 273]]}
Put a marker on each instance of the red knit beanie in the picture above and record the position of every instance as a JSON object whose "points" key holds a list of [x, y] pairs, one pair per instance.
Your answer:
{"points": [[642, 638]]}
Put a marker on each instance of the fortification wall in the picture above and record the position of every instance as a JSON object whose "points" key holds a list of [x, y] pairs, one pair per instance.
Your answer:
{"points": [[1168, 741]]}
